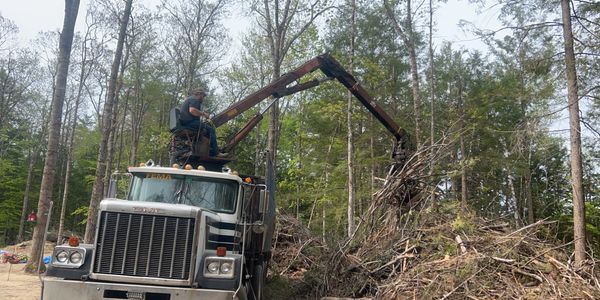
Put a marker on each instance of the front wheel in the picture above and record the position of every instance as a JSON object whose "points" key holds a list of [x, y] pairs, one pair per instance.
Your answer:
{"points": [[258, 281]]}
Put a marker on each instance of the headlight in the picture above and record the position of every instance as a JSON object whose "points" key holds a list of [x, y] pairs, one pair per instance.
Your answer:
{"points": [[213, 267], [226, 268], [68, 257], [62, 256], [76, 257], [219, 267]]}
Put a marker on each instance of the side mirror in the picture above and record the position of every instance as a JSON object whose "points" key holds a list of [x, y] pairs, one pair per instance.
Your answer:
{"points": [[259, 225], [112, 188], [118, 185], [263, 205]]}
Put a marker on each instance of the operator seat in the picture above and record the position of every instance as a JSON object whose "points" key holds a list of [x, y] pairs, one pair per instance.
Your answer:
{"points": [[175, 125], [190, 145], [186, 141]]}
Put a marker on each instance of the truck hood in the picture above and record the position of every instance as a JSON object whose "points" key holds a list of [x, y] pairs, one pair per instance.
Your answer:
{"points": [[150, 208]]}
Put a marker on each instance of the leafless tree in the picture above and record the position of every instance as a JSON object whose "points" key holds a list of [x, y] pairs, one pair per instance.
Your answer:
{"points": [[197, 38], [283, 23], [8, 31]]}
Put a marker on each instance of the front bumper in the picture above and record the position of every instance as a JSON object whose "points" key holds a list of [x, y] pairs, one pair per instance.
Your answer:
{"points": [[60, 289]]}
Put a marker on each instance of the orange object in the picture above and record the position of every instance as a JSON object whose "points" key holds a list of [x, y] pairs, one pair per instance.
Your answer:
{"points": [[221, 251], [248, 180], [73, 241]]}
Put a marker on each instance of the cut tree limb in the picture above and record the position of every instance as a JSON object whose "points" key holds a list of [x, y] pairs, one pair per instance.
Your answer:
{"points": [[460, 243]]}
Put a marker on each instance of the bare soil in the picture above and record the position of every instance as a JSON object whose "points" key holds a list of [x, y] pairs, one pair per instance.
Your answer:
{"points": [[15, 284]]}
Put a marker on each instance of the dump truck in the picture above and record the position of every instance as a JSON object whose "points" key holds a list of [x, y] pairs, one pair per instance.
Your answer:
{"points": [[193, 229]]}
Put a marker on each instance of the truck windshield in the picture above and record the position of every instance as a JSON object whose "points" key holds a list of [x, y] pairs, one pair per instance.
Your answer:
{"points": [[212, 193]]}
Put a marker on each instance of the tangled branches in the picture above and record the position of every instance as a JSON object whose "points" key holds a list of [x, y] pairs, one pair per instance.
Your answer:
{"points": [[406, 247]]}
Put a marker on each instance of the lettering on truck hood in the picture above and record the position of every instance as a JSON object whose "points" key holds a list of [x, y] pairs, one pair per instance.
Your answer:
{"points": [[150, 208]]}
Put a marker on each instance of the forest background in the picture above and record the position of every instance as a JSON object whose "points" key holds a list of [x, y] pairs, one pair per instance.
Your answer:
{"points": [[491, 108]]}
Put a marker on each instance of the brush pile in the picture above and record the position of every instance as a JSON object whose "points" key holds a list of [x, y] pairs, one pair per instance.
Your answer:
{"points": [[442, 254], [294, 248], [408, 248]]}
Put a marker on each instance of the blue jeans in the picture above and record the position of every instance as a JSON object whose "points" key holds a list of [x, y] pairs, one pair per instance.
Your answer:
{"points": [[210, 130]]}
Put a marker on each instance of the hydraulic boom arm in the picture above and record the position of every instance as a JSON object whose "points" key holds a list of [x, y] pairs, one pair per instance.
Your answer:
{"points": [[279, 88]]}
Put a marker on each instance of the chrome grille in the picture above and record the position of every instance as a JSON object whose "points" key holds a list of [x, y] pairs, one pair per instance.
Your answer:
{"points": [[144, 245]]}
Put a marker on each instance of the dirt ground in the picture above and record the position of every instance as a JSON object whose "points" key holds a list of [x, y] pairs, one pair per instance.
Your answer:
{"points": [[18, 285], [15, 284]]}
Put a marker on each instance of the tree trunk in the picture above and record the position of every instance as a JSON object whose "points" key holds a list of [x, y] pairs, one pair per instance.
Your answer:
{"points": [[83, 75], [432, 99], [32, 159], [463, 173], [121, 123], [350, 143], [63, 208], [513, 199], [575, 130], [416, 94], [273, 130], [112, 139], [323, 223], [528, 196], [407, 36], [257, 150], [65, 43], [101, 166], [110, 154], [526, 200], [463, 155], [121, 126], [300, 160], [372, 156], [275, 35]]}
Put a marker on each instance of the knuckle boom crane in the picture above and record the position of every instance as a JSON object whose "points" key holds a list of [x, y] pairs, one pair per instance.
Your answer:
{"points": [[334, 71], [280, 87]]}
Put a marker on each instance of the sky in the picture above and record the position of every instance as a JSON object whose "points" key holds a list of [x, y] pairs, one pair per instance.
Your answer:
{"points": [[33, 16]]}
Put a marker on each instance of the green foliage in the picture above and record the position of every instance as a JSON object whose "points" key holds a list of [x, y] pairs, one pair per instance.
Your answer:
{"points": [[81, 213], [278, 287], [463, 224], [447, 245], [11, 199], [592, 225]]}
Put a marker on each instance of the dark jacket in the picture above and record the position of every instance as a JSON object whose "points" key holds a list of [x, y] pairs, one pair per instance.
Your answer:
{"points": [[185, 116]]}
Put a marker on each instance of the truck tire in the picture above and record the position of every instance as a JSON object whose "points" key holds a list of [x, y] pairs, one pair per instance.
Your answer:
{"points": [[258, 281]]}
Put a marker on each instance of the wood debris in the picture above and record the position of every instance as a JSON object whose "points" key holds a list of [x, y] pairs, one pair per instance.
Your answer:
{"points": [[410, 249]]}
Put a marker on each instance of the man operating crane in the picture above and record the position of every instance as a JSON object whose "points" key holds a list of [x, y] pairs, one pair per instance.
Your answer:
{"points": [[194, 117]]}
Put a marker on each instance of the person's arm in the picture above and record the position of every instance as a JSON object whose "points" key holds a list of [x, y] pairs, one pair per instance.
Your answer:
{"points": [[198, 113], [195, 110]]}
